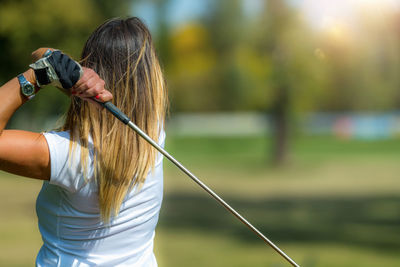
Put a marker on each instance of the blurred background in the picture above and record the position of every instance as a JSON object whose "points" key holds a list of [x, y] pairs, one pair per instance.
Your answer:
{"points": [[289, 109]]}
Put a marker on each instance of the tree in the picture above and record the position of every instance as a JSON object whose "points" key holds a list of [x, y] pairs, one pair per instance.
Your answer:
{"points": [[227, 28], [294, 76], [190, 70]]}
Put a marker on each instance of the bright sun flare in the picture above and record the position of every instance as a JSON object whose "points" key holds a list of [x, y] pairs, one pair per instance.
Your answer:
{"points": [[323, 14]]}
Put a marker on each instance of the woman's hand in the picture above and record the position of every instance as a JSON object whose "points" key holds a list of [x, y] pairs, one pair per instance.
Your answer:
{"points": [[91, 86]]}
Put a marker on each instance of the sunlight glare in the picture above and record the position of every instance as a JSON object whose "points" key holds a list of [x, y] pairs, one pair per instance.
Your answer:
{"points": [[324, 14]]}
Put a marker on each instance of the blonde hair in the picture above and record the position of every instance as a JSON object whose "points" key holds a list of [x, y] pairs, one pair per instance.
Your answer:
{"points": [[122, 53]]}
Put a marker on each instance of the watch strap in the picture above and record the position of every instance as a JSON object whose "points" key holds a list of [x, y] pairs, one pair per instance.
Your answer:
{"points": [[23, 82], [21, 79]]}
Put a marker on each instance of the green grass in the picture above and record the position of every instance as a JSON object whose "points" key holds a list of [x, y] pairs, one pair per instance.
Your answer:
{"points": [[335, 203], [190, 248], [19, 236]]}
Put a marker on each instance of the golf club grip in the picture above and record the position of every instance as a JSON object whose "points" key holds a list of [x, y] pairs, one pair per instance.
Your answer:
{"points": [[115, 111]]}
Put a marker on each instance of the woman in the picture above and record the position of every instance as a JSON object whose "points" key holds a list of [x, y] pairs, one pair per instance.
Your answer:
{"points": [[102, 193]]}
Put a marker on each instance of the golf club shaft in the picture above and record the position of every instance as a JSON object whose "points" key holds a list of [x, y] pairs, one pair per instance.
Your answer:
{"points": [[122, 117]]}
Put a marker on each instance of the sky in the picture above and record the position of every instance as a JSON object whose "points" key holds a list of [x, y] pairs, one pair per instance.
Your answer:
{"points": [[178, 12], [182, 11]]}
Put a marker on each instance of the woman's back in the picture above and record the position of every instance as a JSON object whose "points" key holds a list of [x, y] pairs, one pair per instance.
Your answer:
{"points": [[72, 229]]}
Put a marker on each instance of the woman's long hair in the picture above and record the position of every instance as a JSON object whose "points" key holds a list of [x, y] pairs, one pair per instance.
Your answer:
{"points": [[122, 53]]}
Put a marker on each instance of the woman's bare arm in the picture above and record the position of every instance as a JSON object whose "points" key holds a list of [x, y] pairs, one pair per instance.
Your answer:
{"points": [[23, 153]]}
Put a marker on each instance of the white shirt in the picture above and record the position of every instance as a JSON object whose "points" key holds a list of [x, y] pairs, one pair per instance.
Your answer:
{"points": [[69, 221]]}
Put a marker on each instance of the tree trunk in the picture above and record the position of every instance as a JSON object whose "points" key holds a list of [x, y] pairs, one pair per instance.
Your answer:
{"points": [[280, 127]]}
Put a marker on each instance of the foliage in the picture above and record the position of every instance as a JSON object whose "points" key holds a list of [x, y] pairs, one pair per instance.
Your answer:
{"points": [[27, 25], [193, 61], [244, 62]]}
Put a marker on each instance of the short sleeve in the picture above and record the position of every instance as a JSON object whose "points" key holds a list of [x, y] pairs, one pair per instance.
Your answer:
{"points": [[66, 171]]}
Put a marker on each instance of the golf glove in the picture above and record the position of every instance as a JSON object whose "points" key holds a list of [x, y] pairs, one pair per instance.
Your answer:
{"points": [[58, 69]]}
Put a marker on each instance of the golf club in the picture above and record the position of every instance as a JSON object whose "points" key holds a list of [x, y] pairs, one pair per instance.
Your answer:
{"points": [[125, 119]]}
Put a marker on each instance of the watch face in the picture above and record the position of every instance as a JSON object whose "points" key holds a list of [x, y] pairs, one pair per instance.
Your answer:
{"points": [[28, 89]]}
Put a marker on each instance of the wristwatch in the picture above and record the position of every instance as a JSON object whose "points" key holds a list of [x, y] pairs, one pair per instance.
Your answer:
{"points": [[27, 89]]}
